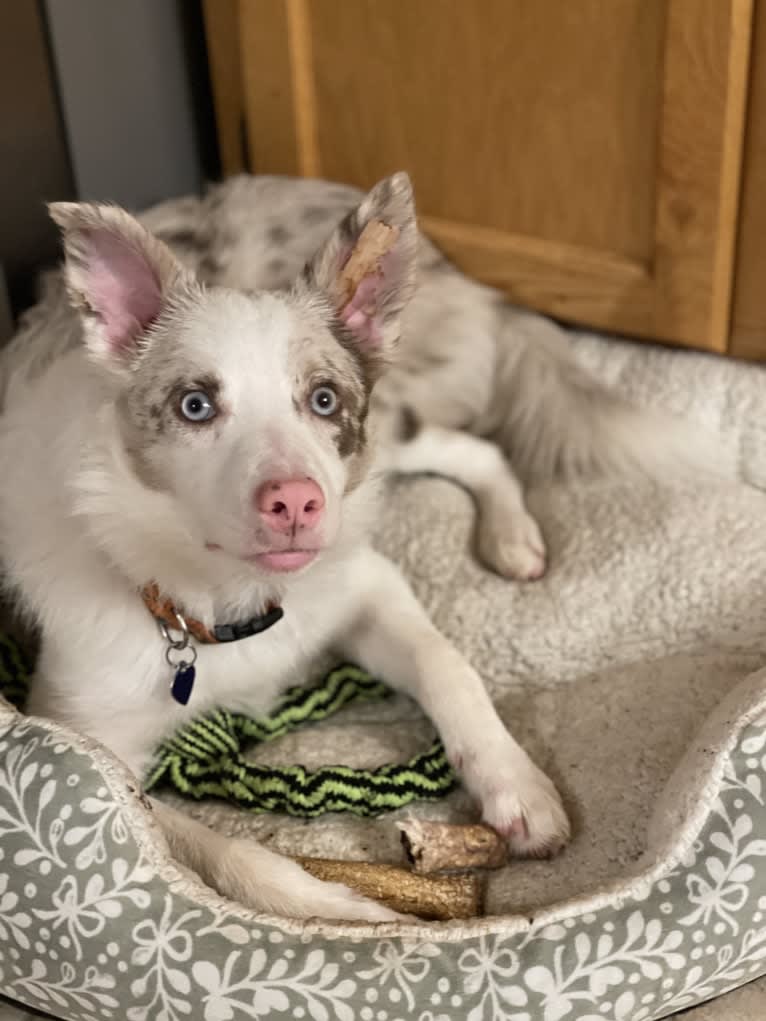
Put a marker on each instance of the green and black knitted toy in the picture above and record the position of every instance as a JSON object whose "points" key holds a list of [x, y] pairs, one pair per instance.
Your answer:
{"points": [[206, 758]]}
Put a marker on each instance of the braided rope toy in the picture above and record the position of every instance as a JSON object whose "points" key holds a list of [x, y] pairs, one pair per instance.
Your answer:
{"points": [[206, 758]]}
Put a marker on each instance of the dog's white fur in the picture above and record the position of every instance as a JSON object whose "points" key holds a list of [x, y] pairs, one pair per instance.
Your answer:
{"points": [[102, 494]]}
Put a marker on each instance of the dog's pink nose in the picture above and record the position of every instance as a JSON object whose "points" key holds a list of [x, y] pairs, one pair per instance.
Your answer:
{"points": [[288, 505]]}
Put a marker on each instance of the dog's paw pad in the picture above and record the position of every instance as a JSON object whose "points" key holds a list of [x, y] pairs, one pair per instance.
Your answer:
{"points": [[528, 812]]}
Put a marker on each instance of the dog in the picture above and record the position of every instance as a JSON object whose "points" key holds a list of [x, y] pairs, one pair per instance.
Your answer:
{"points": [[192, 440]]}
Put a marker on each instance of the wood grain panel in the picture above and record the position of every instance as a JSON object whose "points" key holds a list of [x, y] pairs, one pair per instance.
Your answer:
{"points": [[748, 328], [702, 129], [572, 283], [271, 110], [583, 157], [222, 35], [520, 115]]}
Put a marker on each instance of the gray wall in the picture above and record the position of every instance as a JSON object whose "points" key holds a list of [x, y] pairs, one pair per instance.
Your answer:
{"points": [[127, 98], [34, 168], [6, 319]]}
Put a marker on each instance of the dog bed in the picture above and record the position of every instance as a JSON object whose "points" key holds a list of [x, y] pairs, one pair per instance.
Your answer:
{"points": [[633, 673]]}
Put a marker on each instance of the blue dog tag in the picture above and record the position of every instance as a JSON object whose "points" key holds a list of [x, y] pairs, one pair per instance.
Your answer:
{"points": [[183, 682]]}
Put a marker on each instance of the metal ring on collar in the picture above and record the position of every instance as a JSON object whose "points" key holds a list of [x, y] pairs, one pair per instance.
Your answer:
{"points": [[187, 656], [183, 627]]}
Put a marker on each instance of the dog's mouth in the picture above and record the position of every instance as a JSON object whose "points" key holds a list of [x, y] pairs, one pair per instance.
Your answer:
{"points": [[274, 560], [283, 560]]}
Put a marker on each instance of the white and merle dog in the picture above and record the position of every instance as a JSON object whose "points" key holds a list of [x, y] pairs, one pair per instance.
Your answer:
{"points": [[199, 415]]}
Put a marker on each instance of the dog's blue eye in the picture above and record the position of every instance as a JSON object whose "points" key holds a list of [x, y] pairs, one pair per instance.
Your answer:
{"points": [[324, 401], [197, 406]]}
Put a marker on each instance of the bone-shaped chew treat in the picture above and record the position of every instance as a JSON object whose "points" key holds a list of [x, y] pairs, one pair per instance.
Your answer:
{"points": [[376, 240], [443, 847], [433, 898]]}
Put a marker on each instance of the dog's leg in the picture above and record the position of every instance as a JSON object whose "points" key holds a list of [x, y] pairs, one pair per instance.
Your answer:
{"points": [[508, 537], [393, 638], [252, 875]]}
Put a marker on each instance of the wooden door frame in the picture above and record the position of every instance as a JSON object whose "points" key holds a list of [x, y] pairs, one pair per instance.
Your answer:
{"points": [[748, 323]]}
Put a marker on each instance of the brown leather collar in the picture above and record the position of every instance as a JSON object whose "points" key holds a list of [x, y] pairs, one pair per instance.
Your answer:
{"points": [[165, 610]]}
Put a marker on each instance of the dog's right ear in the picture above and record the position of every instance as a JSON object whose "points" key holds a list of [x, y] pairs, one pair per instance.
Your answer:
{"points": [[118, 275]]}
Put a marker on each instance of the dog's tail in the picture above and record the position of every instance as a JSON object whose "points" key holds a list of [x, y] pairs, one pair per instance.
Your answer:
{"points": [[553, 419]]}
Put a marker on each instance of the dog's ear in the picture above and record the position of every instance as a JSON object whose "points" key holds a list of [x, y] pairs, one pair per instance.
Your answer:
{"points": [[118, 275], [366, 268]]}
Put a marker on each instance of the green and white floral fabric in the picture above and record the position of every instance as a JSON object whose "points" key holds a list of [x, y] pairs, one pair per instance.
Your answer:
{"points": [[97, 922]]}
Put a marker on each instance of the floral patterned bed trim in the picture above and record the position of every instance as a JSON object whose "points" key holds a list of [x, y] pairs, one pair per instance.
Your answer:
{"points": [[92, 924]]}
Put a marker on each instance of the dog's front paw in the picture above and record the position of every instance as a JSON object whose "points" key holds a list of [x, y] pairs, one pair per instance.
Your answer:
{"points": [[527, 810], [512, 545], [519, 801]]}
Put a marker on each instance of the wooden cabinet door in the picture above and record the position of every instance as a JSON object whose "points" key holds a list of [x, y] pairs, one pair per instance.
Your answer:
{"points": [[582, 155]]}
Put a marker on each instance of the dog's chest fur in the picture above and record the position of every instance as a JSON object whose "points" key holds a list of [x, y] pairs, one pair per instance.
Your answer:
{"points": [[102, 666], [114, 681]]}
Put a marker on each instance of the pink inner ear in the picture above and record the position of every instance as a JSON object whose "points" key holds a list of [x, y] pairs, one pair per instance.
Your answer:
{"points": [[121, 286], [361, 315]]}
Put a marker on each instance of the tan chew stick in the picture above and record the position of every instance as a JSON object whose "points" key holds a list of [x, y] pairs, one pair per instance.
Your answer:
{"points": [[443, 847], [376, 240], [435, 898]]}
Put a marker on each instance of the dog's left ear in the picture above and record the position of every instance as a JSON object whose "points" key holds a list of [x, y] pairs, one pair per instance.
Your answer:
{"points": [[366, 269]]}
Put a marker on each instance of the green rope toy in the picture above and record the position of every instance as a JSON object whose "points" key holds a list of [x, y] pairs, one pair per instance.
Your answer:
{"points": [[206, 759]]}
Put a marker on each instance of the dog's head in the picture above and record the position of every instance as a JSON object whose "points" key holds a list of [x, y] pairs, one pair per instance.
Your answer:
{"points": [[247, 411]]}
